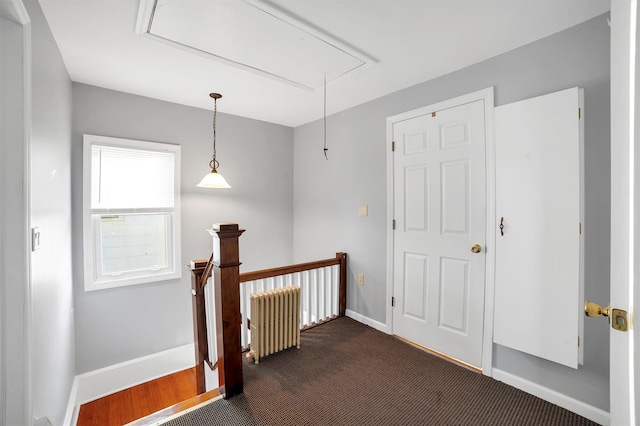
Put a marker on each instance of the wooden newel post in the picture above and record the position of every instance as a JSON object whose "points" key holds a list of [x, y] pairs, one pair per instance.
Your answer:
{"points": [[226, 281]]}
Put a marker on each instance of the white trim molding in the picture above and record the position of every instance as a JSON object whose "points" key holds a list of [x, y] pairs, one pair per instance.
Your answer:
{"points": [[108, 380], [147, 11], [15, 300], [188, 410], [585, 410], [367, 321]]}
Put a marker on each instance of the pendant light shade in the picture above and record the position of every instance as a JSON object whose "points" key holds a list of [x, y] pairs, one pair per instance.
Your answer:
{"points": [[214, 179]]}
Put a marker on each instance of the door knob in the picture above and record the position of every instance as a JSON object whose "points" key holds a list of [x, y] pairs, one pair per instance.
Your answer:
{"points": [[617, 317], [476, 248], [594, 310]]}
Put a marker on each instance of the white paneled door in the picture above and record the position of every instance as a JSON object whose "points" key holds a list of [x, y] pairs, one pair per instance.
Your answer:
{"points": [[439, 239]]}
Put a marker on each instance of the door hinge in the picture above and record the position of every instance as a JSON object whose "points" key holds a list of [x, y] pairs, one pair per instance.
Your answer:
{"points": [[393, 301], [580, 228], [578, 341], [393, 146], [393, 224], [579, 113]]}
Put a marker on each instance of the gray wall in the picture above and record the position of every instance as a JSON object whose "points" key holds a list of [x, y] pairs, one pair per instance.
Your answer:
{"points": [[327, 193], [53, 359], [120, 324]]}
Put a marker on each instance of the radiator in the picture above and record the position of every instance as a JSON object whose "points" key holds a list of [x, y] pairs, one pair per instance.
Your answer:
{"points": [[275, 321]]}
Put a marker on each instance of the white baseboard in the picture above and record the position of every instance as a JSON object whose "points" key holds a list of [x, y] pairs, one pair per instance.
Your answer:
{"points": [[380, 326], [585, 410], [105, 381]]}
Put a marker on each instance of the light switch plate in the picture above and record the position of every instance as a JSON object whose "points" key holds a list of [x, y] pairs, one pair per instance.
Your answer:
{"points": [[363, 210], [35, 239]]}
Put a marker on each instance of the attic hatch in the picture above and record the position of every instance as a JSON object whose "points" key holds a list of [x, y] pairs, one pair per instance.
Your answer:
{"points": [[253, 35]]}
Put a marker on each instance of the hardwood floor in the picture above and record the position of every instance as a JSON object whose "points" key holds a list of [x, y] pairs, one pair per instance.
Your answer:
{"points": [[139, 401]]}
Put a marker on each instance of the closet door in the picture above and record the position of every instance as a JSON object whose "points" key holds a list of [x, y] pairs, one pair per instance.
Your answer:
{"points": [[539, 244]]}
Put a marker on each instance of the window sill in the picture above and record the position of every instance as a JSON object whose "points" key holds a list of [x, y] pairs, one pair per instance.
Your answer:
{"points": [[91, 285]]}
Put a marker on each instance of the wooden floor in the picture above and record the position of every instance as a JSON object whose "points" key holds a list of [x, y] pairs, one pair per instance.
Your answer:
{"points": [[139, 401]]}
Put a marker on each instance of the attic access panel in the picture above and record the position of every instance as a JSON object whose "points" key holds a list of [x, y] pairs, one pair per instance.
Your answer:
{"points": [[252, 35]]}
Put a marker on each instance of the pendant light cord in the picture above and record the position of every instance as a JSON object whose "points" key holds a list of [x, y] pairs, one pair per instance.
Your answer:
{"points": [[324, 122]]}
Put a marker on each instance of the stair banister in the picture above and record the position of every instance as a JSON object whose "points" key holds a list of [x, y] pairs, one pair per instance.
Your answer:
{"points": [[224, 269]]}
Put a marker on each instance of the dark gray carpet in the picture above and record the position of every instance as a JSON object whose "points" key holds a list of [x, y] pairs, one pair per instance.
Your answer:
{"points": [[346, 373]]}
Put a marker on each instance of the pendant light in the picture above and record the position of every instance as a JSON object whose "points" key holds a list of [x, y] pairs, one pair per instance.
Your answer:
{"points": [[214, 179]]}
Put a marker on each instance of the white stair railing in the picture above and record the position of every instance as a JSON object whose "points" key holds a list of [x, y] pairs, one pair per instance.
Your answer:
{"points": [[323, 293], [322, 290], [319, 295]]}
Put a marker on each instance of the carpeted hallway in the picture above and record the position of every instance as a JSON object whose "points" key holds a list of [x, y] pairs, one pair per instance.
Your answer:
{"points": [[346, 373]]}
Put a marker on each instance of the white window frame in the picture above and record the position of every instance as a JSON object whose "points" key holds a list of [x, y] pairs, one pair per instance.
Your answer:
{"points": [[93, 279]]}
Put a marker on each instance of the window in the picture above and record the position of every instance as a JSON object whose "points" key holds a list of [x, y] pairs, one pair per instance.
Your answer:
{"points": [[131, 212]]}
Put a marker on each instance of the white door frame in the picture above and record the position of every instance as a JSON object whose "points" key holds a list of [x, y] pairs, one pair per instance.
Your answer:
{"points": [[15, 275], [624, 205], [490, 229]]}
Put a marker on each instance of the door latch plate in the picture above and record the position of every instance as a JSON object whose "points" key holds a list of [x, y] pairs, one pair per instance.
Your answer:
{"points": [[619, 319]]}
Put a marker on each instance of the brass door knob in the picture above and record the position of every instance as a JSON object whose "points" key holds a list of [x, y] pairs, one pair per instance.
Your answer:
{"points": [[594, 310], [476, 248]]}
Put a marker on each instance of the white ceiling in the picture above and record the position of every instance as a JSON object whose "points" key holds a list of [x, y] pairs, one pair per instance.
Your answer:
{"points": [[401, 43]]}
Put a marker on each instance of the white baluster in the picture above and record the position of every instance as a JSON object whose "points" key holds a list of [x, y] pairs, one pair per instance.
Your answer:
{"points": [[296, 280], [321, 294], [243, 315], [307, 298], [314, 295], [327, 292], [210, 313]]}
